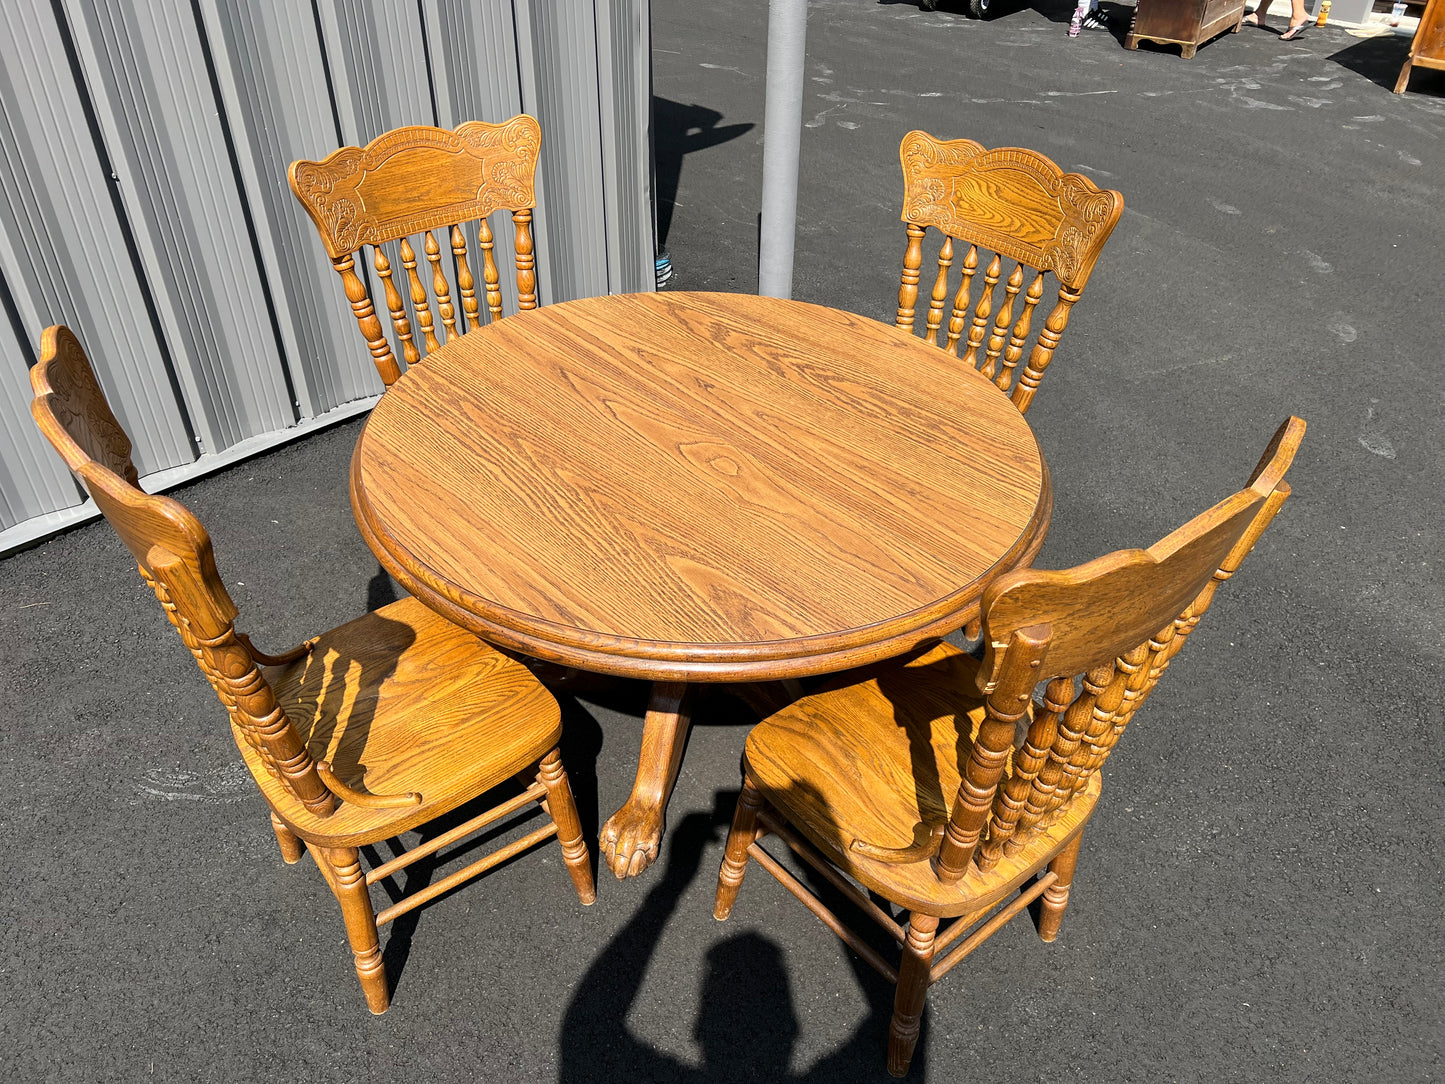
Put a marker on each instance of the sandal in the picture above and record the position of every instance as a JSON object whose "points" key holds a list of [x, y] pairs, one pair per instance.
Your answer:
{"points": [[1294, 32], [1252, 19]]}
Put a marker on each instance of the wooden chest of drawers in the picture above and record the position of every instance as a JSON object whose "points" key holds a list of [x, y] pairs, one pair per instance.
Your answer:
{"points": [[1186, 23]]}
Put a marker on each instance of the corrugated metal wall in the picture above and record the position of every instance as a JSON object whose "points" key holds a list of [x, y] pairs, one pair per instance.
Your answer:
{"points": [[143, 199]]}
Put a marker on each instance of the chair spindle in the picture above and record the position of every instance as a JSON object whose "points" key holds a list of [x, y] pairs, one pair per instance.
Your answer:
{"points": [[959, 316], [908, 284], [526, 261], [490, 275], [940, 292], [1001, 322], [418, 295], [359, 298], [1015, 348], [395, 306], [466, 285], [440, 287], [982, 311]]}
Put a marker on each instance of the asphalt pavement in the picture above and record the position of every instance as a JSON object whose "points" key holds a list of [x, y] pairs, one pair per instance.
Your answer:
{"points": [[1258, 895]]}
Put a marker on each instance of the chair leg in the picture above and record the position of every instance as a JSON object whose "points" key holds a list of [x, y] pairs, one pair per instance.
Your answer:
{"points": [[735, 860], [349, 884], [290, 843], [1056, 896], [913, 978], [563, 809]]}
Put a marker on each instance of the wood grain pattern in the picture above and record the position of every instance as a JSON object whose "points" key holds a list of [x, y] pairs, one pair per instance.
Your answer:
{"points": [[942, 785], [354, 736], [698, 487], [1022, 206], [1427, 47], [412, 181], [1186, 23]]}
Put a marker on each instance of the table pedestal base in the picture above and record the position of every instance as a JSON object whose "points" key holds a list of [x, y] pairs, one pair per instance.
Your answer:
{"points": [[630, 838]]}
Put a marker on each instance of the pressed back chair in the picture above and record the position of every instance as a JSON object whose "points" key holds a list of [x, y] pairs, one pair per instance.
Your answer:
{"points": [[1025, 209], [941, 785], [353, 737], [412, 181]]}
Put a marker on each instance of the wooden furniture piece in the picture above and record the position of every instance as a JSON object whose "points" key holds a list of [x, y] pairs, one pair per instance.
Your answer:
{"points": [[353, 737], [943, 786], [1023, 207], [411, 181], [1427, 48], [1186, 23], [696, 488]]}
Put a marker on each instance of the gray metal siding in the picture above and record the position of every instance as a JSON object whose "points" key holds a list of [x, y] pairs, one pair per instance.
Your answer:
{"points": [[144, 202]]}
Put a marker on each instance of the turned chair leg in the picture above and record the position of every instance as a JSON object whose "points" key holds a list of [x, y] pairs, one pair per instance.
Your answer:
{"points": [[735, 860], [563, 809], [349, 883], [913, 979], [288, 840], [1056, 896]]}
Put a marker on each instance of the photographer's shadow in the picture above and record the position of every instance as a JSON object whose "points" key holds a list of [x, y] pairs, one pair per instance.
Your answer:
{"points": [[746, 1024]]}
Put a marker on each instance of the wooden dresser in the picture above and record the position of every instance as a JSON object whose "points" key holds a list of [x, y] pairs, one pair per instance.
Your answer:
{"points": [[1186, 23]]}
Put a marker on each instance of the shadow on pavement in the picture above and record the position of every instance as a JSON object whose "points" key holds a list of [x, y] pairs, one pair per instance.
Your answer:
{"points": [[746, 1025], [679, 130]]}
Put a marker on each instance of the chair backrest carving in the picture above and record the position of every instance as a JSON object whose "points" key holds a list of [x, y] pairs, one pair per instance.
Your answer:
{"points": [[1021, 206], [1100, 636], [408, 182], [173, 553]]}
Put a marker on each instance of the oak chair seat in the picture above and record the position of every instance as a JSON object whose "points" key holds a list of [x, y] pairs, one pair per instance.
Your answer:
{"points": [[353, 737], [844, 766], [376, 699], [941, 784]]}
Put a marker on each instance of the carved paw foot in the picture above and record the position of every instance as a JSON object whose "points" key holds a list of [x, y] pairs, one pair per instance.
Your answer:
{"points": [[630, 838]]}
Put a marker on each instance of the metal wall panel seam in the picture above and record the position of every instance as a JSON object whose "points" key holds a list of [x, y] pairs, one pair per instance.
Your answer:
{"points": [[32, 530], [563, 43], [472, 58], [372, 102], [212, 411], [621, 30], [609, 160], [166, 147], [50, 134], [33, 480], [630, 97], [294, 381], [529, 89], [271, 88]]}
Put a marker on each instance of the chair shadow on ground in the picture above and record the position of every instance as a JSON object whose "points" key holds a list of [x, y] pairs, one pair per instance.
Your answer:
{"points": [[679, 130], [581, 743], [746, 1025]]}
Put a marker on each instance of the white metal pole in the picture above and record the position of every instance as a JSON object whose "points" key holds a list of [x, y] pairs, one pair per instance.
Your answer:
{"points": [[782, 135]]}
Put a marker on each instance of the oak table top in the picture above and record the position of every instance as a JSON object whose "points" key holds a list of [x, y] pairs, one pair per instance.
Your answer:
{"points": [[697, 488]]}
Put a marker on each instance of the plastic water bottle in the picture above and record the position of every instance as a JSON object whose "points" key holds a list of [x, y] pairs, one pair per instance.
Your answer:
{"points": [[1395, 13], [1077, 22]]}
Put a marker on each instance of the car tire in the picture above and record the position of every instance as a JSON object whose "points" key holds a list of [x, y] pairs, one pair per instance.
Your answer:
{"points": [[979, 8]]}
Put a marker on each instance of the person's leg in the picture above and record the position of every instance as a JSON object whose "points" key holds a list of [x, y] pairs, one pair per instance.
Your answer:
{"points": [[1093, 18], [1298, 20], [1256, 17]]}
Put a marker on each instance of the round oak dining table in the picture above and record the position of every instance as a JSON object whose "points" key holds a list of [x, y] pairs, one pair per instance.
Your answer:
{"points": [[697, 487]]}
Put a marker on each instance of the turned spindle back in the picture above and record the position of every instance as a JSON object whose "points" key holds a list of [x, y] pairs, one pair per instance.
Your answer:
{"points": [[422, 181], [173, 553], [1100, 635], [1014, 205]]}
